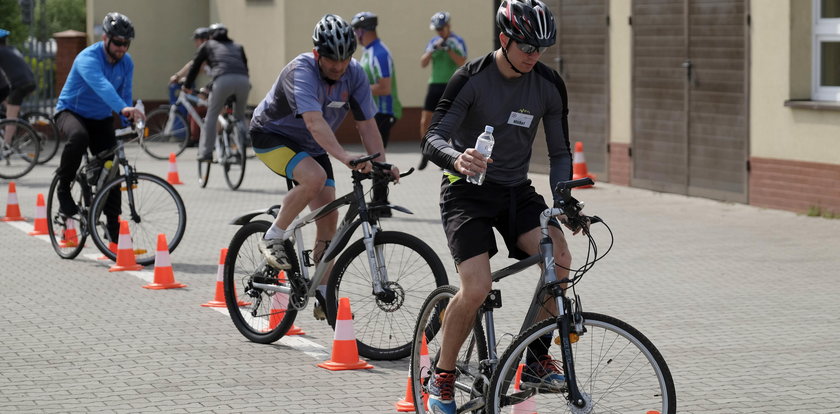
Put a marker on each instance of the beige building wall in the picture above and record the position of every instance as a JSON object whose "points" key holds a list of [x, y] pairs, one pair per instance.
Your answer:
{"points": [[275, 31], [164, 38], [781, 71], [621, 64]]}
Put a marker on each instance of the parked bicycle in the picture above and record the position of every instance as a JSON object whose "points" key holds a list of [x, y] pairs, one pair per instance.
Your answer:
{"points": [[107, 186], [607, 365], [18, 154], [386, 274], [46, 129]]}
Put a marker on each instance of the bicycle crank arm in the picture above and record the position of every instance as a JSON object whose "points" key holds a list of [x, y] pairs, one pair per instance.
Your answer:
{"points": [[273, 288]]}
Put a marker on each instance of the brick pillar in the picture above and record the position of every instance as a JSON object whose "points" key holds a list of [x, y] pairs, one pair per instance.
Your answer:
{"points": [[68, 44]]}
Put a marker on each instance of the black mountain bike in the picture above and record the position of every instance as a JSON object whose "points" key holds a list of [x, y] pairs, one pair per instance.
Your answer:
{"points": [[386, 274], [608, 366], [107, 186]]}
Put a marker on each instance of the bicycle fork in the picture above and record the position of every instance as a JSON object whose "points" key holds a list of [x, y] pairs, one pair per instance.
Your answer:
{"points": [[376, 258]]}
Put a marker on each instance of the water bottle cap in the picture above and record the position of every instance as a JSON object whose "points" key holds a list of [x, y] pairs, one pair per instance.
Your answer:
{"points": [[488, 129]]}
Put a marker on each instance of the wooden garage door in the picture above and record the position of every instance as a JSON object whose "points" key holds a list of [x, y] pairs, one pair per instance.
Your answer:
{"points": [[581, 58], [690, 91]]}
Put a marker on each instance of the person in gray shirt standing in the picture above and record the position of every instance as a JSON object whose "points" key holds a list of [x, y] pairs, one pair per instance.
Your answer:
{"points": [[229, 69], [510, 90]]}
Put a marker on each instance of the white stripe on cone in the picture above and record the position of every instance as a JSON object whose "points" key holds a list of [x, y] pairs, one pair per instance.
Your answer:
{"points": [[579, 158], [344, 330], [220, 274], [124, 242], [162, 259]]}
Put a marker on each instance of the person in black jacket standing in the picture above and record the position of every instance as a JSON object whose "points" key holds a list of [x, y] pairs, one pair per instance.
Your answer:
{"points": [[229, 68]]}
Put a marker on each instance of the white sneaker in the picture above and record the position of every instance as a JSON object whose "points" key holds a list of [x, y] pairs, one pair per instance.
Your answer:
{"points": [[274, 253]]}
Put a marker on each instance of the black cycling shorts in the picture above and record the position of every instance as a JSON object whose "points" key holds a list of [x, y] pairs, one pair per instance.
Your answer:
{"points": [[281, 155], [433, 95], [19, 92], [470, 212]]}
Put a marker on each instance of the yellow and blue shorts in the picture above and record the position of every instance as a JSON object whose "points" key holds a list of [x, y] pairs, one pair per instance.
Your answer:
{"points": [[281, 155]]}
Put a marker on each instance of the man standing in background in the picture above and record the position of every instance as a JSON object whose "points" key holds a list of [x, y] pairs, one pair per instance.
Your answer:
{"points": [[379, 68]]}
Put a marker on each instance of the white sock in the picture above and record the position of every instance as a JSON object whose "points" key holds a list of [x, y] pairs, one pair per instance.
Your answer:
{"points": [[274, 232]]}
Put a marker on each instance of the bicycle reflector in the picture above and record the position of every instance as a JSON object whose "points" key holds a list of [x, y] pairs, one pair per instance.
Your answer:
{"points": [[573, 338]]}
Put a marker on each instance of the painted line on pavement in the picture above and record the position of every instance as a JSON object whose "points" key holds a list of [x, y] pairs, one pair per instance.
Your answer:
{"points": [[304, 345]]}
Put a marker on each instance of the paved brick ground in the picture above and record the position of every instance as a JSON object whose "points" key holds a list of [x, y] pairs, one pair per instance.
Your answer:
{"points": [[742, 302]]}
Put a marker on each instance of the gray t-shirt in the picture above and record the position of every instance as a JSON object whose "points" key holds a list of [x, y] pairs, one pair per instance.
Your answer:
{"points": [[300, 88], [478, 95]]}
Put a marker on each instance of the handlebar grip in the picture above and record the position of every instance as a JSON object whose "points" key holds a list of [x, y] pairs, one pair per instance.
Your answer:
{"points": [[366, 158]]}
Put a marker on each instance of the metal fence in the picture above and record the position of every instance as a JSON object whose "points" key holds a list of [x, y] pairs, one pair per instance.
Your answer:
{"points": [[41, 57]]}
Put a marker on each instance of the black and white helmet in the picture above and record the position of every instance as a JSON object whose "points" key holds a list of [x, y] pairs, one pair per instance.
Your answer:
{"points": [[333, 38], [117, 25], [527, 21]]}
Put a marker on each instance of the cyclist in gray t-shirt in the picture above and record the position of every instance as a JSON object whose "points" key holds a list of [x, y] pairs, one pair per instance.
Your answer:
{"points": [[512, 91]]}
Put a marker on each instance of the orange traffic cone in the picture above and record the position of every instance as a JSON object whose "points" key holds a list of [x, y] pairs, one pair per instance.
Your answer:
{"points": [[219, 300], [40, 217], [112, 247], [70, 238], [579, 169], [12, 207], [345, 352], [529, 406], [172, 176], [653, 412], [407, 404], [125, 252], [164, 278], [279, 304]]}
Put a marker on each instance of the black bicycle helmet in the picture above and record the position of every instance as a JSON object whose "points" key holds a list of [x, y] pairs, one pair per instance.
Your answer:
{"points": [[333, 38], [364, 20], [527, 21], [217, 31], [439, 20], [201, 33], [117, 25]]}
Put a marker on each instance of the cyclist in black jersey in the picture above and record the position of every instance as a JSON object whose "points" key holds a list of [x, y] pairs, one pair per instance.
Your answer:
{"points": [[512, 91], [19, 79]]}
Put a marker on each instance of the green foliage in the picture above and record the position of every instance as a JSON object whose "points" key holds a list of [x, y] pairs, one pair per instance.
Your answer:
{"points": [[58, 16], [817, 211], [10, 20]]}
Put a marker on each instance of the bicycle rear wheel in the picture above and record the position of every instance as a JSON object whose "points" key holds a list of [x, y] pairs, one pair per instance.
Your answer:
{"points": [[48, 133], [204, 172], [260, 315], [233, 158], [67, 239], [618, 370], [383, 322], [165, 132], [20, 155], [152, 207], [470, 383]]}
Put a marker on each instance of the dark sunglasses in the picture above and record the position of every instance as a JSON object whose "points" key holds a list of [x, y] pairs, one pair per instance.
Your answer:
{"points": [[121, 43], [529, 49]]}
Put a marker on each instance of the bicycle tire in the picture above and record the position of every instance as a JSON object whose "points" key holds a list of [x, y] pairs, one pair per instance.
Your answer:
{"points": [[233, 158], [617, 368], [22, 153], [157, 141], [68, 247], [383, 325], [159, 208], [47, 132], [470, 382], [254, 311], [204, 172]]}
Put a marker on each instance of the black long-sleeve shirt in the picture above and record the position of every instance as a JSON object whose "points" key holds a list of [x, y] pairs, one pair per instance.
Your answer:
{"points": [[224, 58]]}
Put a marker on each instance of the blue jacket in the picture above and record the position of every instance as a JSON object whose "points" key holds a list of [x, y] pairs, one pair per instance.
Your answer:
{"points": [[95, 88]]}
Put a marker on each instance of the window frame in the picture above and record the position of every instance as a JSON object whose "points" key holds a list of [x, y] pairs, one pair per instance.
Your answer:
{"points": [[824, 30]]}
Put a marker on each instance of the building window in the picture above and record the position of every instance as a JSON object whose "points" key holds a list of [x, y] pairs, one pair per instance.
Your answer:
{"points": [[826, 79]]}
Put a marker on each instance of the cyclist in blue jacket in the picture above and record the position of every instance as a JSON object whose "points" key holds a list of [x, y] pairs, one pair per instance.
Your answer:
{"points": [[98, 85]]}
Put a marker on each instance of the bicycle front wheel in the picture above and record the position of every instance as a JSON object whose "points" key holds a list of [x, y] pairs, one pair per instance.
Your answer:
{"points": [[166, 132], [233, 159], [68, 234], [471, 376], [151, 207], [19, 154], [382, 322], [48, 133], [618, 370], [262, 316]]}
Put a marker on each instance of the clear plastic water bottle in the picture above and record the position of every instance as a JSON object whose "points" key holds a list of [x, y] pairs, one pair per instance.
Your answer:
{"points": [[140, 107], [484, 145]]}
